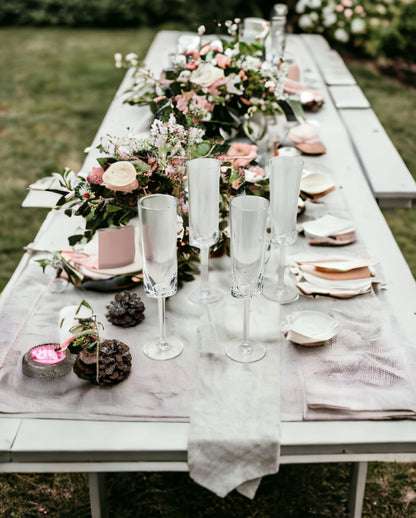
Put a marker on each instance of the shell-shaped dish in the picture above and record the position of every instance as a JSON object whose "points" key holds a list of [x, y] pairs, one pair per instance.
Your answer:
{"points": [[309, 328], [316, 184], [328, 225]]}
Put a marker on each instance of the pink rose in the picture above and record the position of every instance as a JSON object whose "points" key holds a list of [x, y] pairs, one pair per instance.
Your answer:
{"points": [[201, 101], [215, 46], [121, 176], [192, 59], [222, 60], [181, 103], [96, 175], [240, 154], [214, 88]]}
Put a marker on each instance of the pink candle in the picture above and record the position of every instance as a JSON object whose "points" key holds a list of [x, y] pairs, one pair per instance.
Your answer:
{"points": [[47, 354]]}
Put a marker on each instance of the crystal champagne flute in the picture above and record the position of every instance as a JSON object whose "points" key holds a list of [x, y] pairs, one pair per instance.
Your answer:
{"points": [[204, 198], [248, 242], [285, 175], [158, 225]]}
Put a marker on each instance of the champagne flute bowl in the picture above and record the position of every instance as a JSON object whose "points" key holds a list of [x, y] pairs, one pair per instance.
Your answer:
{"points": [[285, 175], [204, 199]]}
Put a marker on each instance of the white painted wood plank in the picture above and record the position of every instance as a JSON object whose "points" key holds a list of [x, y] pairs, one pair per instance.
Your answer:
{"points": [[350, 96], [331, 65], [88, 467], [332, 433], [50, 440], [71, 440], [386, 171], [8, 432]]}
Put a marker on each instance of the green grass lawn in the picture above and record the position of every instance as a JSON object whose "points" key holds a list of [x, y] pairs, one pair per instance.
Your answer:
{"points": [[55, 86]]}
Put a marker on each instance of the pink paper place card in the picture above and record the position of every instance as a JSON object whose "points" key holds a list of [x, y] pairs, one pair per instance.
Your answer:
{"points": [[116, 247]]}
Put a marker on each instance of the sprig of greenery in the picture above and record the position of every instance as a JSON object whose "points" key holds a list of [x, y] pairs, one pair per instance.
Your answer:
{"points": [[86, 331]]}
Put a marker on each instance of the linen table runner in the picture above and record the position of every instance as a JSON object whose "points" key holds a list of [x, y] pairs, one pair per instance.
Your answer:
{"points": [[235, 417]]}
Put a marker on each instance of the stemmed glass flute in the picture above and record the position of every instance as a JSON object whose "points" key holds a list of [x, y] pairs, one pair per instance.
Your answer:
{"points": [[158, 225], [204, 199], [285, 175], [248, 242]]}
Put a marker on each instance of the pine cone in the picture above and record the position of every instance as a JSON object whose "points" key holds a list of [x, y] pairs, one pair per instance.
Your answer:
{"points": [[114, 363], [126, 310]]}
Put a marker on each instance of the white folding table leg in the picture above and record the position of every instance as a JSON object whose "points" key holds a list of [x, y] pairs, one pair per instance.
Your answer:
{"points": [[357, 489], [97, 495]]}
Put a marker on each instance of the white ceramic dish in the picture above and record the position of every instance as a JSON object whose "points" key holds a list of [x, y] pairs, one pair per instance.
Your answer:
{"points": [[327, 226], [316, 183], [309, 328]]}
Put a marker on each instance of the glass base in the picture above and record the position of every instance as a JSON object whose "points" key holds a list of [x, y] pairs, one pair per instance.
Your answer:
{"points": [[204, 297], [282, 296], [237, 352], [153, 350]]}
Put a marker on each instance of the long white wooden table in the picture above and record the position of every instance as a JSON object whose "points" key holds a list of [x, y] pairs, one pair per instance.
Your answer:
{"points": [[53, 445]]}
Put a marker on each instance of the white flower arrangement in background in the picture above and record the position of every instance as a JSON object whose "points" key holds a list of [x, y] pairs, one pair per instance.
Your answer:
{"points": [[347, 21]]}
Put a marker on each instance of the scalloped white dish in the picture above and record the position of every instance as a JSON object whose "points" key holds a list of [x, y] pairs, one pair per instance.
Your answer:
{"points": [[316, 183], [309, 328]]}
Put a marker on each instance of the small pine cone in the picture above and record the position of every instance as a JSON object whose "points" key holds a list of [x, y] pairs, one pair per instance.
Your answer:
{"points": [[114, 363], [126, 310]]}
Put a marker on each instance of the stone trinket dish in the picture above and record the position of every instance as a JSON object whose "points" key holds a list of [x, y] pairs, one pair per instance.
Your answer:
{"points": [[47, 361]]}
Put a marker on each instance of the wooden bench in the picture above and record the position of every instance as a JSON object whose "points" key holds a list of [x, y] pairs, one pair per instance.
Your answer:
{"points": [[388, 176]]}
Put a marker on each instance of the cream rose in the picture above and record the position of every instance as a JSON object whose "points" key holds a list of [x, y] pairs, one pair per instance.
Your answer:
{"points": [[206, 74], [121, 176]]}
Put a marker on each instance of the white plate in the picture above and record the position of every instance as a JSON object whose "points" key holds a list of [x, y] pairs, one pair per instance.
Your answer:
{"points": [[315, 183], [327, 226], [309, 327]]}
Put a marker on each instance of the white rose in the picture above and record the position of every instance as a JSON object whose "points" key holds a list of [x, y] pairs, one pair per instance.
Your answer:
{"points": [[118, 58], [305, 21], [315, 4], [206, 74], [329, 19], [357, 25], [341, 35], [300, 7], [184, 76], [121, 176]]}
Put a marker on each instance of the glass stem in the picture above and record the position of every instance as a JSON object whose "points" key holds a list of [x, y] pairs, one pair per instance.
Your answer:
{"points": [[163, 344], [246, 321], [203, 256], [281, 250]]}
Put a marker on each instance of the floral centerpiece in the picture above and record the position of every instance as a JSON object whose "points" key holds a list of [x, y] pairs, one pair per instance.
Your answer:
{"points": [[132, 167], [220, 87]]}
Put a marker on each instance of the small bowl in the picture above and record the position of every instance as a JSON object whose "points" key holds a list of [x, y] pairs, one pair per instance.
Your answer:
{"points": [[309, 328], [316, 184]]}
